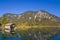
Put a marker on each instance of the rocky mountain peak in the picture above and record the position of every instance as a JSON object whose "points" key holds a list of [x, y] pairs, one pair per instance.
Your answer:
{"points": [[44, 14]]}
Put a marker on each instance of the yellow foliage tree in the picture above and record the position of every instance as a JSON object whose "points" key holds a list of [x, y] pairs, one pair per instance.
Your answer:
{"points": [[4, 21]]}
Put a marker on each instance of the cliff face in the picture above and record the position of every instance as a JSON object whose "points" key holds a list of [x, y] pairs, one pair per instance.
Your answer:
{"points": [[44, 14]]}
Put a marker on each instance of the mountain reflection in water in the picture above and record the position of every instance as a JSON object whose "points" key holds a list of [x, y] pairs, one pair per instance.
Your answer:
{"points": [[1, 38]]}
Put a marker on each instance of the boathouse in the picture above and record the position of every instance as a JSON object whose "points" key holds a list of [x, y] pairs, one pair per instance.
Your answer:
{"points": [[9, 27]]}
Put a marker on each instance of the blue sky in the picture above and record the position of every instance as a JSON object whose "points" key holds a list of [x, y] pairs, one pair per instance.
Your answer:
{"points": [[20, 6]]}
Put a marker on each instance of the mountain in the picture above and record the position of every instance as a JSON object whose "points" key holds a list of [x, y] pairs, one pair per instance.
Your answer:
{"points": [[46, 15], [34, 18]]}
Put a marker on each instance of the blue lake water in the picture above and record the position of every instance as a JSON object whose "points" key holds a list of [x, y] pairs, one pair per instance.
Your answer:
{"points": [[14, 39], [10, 38], [55, 38], [0, 36]]}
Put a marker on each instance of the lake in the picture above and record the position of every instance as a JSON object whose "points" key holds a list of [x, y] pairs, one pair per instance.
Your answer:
{"points": [[0, 36], [13, 39], [9, 38], [55, 38]]}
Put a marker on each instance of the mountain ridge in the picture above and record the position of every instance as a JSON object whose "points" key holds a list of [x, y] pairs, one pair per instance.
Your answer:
{"points": [[33, 18]]}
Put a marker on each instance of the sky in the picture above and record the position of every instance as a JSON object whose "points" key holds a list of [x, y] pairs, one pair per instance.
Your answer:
{"points": [[20, 6]]}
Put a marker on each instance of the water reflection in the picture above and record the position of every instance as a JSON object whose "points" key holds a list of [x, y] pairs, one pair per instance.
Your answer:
{"points": [[6, 38], [55, 38], [13, 39], [0, 36]]}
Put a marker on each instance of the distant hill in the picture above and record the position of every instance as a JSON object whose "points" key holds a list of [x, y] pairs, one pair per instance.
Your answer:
{"points": [[34, 18]]}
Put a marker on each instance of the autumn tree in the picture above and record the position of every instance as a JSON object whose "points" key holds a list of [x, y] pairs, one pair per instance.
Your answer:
{"points": [[4, 21]]}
